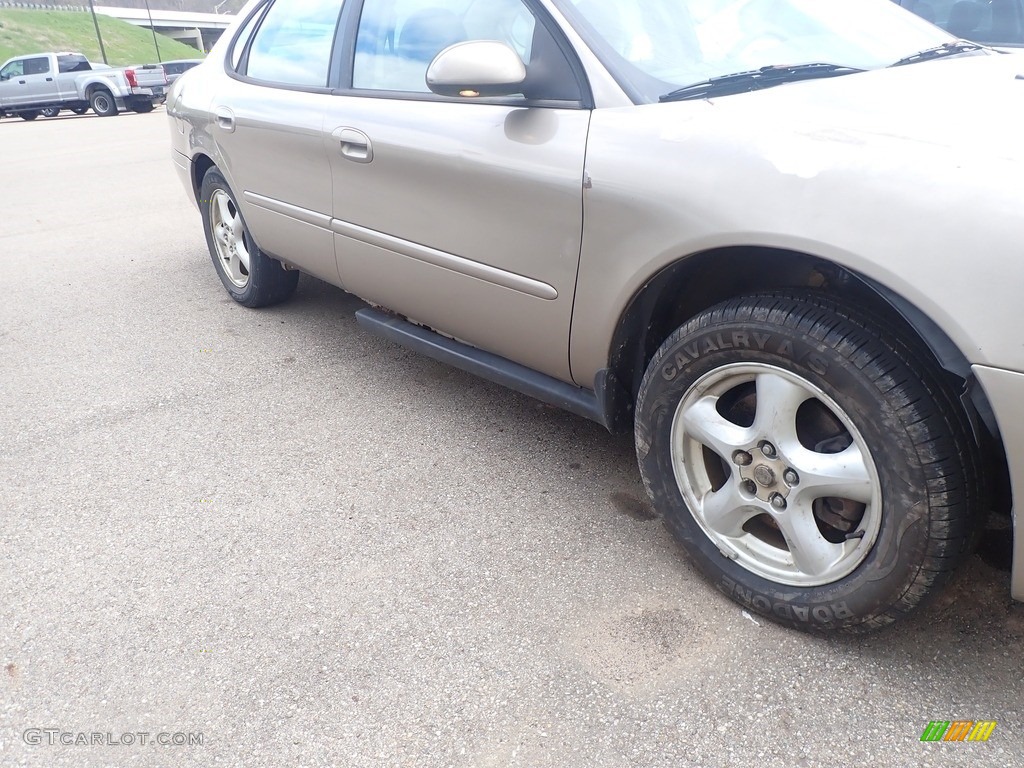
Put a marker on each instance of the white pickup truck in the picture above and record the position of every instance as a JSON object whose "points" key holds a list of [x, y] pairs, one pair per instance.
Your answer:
{"points": [[54, 81]]}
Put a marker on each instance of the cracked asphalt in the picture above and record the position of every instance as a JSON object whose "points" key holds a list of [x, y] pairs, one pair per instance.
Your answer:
{"points": [[311, 547]]}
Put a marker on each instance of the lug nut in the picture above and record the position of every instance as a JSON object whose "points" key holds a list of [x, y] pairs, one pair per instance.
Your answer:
{"points": [[791, 477], [749, 487], [742, 458], [778, 501], [768, 450]]}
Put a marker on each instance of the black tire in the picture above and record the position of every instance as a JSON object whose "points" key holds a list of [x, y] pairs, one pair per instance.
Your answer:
{"points": [[102, 103], [265, 281], [881, 395], [28, 115], [49, 111], [142, 107], [79, 110]]}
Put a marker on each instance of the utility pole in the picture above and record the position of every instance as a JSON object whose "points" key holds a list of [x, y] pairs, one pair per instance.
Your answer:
{"points": [[153, 30], [99, 37]]}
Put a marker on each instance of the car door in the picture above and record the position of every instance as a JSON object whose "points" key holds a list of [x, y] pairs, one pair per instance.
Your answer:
{"points": [[10, 74], [40, 80], [28, 82], [268, 126], [70, 66], [463, 214]]}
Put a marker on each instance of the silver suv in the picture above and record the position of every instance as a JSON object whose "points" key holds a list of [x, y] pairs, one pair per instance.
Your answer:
{"points": [[779, 240]]}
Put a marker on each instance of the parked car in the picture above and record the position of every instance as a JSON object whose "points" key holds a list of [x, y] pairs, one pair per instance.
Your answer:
{"points": [[993, 22], [176, 69], [47, 81], [778, 240]]}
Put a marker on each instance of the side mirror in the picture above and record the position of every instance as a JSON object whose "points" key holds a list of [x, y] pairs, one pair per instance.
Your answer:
{"points": [[476, 68], [5, 77]]}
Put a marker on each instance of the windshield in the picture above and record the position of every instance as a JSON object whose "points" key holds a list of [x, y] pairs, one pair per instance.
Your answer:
{"points": [[994, 22], [656, 46]]}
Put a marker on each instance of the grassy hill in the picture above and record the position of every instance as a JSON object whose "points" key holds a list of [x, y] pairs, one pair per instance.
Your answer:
{"points": [[24, 32]]}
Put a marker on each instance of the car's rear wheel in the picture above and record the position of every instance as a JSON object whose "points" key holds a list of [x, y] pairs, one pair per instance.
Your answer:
{"points": [[142, 107], [28, 115], [816, 466], [252, 278], [103, 103], [79, 110]]}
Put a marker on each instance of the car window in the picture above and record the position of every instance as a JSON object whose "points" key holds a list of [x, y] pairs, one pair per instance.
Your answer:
{"points": [[73, 63], [654, 46], [293, 43], [14, 69], [398, 39], [999, 22], [242, 38], [37, 66]]}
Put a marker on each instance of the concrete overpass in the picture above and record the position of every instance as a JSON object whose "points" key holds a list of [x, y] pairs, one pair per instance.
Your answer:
{"points": [[200, 30]]}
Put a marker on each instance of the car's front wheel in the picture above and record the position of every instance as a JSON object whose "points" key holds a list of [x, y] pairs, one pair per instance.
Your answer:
{"points": [[251, 277], [815, 465]]}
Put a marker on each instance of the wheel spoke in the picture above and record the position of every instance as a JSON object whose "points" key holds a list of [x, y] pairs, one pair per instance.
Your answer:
{"points": [[233, 267], [238, 235], [706, 425], [224, 209], [841, 475], [725, 512], [778, 400], [242, 253], [812, 554]]}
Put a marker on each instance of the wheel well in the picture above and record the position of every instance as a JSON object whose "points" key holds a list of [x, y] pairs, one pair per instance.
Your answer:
{"points": [[689, 286], [200, 165], [94, 88]]}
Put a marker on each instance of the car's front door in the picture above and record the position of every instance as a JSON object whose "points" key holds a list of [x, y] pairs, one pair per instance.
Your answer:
{"points": [[463, 214], [28, 82]]}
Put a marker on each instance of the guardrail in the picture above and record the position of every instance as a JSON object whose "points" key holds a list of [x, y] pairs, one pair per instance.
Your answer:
{"points": [[43, 6]]}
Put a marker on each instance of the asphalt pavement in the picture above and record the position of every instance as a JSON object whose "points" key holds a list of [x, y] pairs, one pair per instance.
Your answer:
{"points": [[268, 538]]}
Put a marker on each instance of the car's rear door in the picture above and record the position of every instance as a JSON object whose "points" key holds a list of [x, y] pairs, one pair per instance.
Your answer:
{"points": [[463, 214], [69, 67], [268, 119]]}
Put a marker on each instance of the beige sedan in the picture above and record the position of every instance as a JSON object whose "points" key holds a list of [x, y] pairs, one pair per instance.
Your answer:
{"points": [[779, 240]]}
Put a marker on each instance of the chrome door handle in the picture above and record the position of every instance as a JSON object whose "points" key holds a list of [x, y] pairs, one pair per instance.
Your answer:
{"points": [[225, 118], [355, 145]]}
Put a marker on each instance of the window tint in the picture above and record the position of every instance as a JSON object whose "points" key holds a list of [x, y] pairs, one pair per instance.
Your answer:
{"points": [[14, 69], [73, 63], [986, 21], [39, 66], [398, 39], [293, 43]]}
